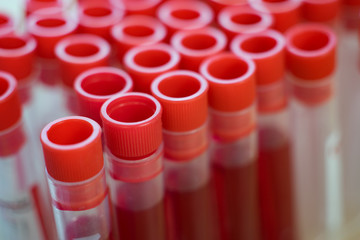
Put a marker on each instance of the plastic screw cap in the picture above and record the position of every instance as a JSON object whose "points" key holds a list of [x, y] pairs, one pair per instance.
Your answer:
{"points": [[72, 149], [145, 63], [286, 13], [35, 5], [231, 82], [94, 86], [218, 5], [243, 20], [132, 125], [194, 46], [320, 11], [184, 15], [136, 30], [17, 55], [79, 52], [48, 30], [98, 18], [311, 51], [141, 7], [6, 24], [183, 96]]}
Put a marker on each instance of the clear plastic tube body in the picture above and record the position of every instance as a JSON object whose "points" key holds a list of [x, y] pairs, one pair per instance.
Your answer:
{"points": [[137, 192], [25, 211], [316, 158]]}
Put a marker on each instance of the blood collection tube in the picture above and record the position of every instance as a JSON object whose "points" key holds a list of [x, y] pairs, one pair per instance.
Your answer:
{"points": [[311, 54], [145, 63], [286, 13], [139, 7], [136, 30], [98, 18], [234, 143], [184, 15], [76, 176], [267, 50], [77, 53], [243, 20], [24, 206], [190, 207], [94, 86], [194, 46], [134, 150], [6, 24]]}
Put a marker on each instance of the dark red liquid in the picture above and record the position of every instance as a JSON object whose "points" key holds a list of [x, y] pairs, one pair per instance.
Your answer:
{"points": [[191, 215], [141, 225], [238, 203], [275, 186]]}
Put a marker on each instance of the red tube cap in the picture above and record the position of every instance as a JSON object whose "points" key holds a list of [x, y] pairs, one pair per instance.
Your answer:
{"points": [[243, 20], [98, 18], [143, 7], [132, 125], [311, 51], [94, 86], [72, 149], [218, 5], [6, 24], [17, 55], [231, 82], [267, 50], [320, 11], [184, 15], [35, 5], [183, 96], [136, 30], [286, 13], [145, 63], [48, 30], [80, 52], [194, 46]]}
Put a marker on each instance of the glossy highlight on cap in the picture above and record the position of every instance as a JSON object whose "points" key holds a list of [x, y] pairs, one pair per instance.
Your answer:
{"points": [[194, 46], [267, 50], [79, 52], [231, 82], [94, 86], [183, 96], [132, 125], [72, 149], [311, 51]]}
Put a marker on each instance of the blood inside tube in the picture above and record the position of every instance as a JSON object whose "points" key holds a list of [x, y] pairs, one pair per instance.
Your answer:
{"points": [[238, 201], [191, 213], [141, 225], [275, 186]]}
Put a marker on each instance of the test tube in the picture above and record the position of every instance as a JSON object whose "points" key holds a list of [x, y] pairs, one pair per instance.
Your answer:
{"points": [[311, 54], [134, 151], [189, 199], [267, 50], [24, 205], [234, 143], [76, 176]]}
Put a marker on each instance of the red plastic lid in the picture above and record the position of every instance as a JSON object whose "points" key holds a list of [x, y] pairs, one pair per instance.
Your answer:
{"points": [[34, 5], [184, 15], [183, 96], [243, 20], [17, 55], [98, 18], [143, 7], [218, 5], [194, 46], [286, 13], [48, 30], [10, 105], [80, 52], [94, 86], [132, 125], [72, 149], [137, 30], [6, 24], [351, 2], [311, 51], [267, 50], [145, 63], [320, 11], [231, 82]]}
